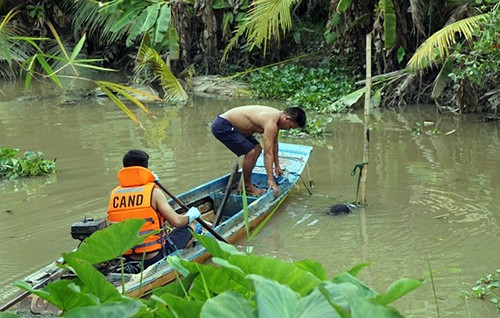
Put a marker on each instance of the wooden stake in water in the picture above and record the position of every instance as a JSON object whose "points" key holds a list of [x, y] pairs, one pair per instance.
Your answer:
{"points": [[364, 171]]}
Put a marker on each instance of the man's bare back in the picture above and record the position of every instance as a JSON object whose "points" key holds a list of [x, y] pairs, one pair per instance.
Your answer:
{"points": [[252, 118]]}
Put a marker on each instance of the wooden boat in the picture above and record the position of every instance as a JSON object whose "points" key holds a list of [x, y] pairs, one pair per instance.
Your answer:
{"points": [[219, 204]]}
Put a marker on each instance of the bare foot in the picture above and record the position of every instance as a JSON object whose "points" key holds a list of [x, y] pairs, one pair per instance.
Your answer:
{"points": [[254, 191]]}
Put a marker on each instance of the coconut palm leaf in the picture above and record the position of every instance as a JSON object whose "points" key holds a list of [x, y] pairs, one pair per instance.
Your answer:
{"points": [[436, 47], [266, 19], [148, 58], [117, 101], [12, 50]]}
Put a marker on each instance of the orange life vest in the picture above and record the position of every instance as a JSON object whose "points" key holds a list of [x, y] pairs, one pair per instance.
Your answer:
{"points": [[132, 200]]}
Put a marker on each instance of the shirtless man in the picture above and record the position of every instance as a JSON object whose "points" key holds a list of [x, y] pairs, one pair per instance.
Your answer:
{"points": [[235, 129]]}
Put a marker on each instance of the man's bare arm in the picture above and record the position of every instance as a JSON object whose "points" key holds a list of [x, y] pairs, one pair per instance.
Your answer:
{"points": [[162, 206]]}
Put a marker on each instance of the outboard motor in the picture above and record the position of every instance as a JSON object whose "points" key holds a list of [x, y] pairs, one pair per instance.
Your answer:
{"points": [[83, 229]]}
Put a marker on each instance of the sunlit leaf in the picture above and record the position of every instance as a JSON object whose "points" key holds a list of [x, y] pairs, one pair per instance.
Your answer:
{"points": [[77, 48], [117, 102], [60, 293], [147, 18], [50, 72], [343, 5], [111, 242], [398, 289]]}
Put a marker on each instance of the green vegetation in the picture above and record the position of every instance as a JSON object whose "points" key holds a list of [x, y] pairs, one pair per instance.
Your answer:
{"points": [[488, 287], [32, 164], [235, 285], [314, 89]]}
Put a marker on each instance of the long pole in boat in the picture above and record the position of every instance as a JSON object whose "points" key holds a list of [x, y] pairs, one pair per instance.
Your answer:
{"points": [[364, 171]]}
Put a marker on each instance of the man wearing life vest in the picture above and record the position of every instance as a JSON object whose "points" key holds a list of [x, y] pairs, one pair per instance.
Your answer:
{"points": [[137, 197]]}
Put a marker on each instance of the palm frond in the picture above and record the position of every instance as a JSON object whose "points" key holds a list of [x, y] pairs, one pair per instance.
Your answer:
{"points": [[437, 46], [417, 17], [266, 19], [13, 51], [150, 59]]}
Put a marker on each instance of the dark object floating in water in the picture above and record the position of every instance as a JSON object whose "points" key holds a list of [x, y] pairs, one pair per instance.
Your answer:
{"points": [[341, 208]]}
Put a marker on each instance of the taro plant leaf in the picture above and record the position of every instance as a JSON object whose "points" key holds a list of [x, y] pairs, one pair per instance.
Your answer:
{"points": [[398, 289], [283, 272], [217, 248], [177, 288], [348, 278], [181, 307], [274, 299], [363, 307], [122, 309], [91, 280], [110, 242], [228, 304], [313, 267], [356, 269], [387, 7], [217, 280], [63, 294]]}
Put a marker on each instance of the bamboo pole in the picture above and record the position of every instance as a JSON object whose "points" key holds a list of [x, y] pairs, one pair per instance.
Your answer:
{"points": [[364, 171]]}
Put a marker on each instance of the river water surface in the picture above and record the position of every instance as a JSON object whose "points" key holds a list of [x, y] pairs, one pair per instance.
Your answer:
{"points": [[432, 199]]}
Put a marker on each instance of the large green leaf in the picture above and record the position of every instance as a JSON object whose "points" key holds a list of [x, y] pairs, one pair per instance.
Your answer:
{"points": [[125, 20], [274, 299], [398, 289], [343, 5], [162, 23], [286, 273], [110, 242], [123, 309], [91, 280], [61, 293], [387, 7], [148, 17], [228, 304]]}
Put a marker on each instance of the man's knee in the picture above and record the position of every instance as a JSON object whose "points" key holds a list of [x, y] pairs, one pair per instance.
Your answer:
{"points": [[255, 152]]}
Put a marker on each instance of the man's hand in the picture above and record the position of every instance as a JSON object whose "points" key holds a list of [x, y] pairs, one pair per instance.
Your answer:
{"points": [[278, 171], [193, 213], [274, 187]]}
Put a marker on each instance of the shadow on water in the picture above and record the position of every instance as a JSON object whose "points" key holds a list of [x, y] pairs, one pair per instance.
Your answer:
{"points": [[432, 197]]}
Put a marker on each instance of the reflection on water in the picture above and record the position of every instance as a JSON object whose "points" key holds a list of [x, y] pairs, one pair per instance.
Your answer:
{"points": [[432, 198]]}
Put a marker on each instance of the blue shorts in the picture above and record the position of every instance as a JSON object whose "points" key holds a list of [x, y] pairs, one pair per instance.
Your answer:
{"points": [[238, 143]]}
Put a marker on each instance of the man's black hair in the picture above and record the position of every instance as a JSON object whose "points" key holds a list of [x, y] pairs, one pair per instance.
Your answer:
{"points": [[135, 157], [297, 114]]}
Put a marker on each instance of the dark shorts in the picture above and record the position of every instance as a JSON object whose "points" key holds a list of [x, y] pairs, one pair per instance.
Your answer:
{"points": [[235, 141]]}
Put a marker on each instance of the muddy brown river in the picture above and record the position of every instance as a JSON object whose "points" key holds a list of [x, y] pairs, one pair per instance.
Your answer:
{"points": [[433, 198]]}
